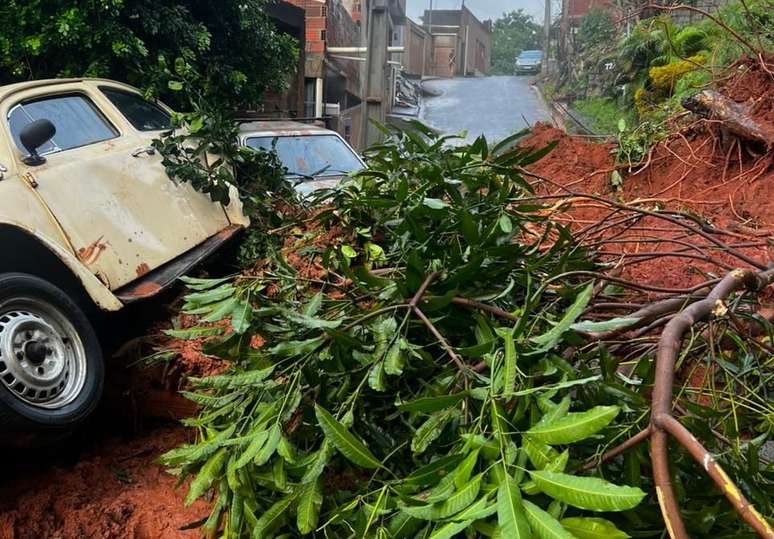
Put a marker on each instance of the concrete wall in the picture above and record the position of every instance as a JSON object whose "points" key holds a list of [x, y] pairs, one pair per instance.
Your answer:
{"points": [[462, 45], [416, 59], [476, 56]]}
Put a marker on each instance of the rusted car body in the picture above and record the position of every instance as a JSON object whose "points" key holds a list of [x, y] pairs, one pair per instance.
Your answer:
{"points": [[106, 209], [88, 215]]}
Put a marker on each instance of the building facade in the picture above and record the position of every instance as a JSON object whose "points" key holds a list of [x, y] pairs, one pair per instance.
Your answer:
{"points": [[460, 44]]}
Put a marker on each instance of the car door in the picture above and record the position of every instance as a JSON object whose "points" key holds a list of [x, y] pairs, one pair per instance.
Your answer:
{"points": [[108, 190]]}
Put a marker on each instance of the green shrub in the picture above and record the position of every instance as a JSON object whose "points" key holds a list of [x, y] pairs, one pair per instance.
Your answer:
{"points": [[603, 112]]}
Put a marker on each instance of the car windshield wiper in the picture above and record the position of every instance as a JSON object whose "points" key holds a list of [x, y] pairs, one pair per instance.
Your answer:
{"points": [[301, 175]]}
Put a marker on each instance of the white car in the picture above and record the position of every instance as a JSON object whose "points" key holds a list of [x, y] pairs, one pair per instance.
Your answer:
{"points": [[88, 218], [315, 158]]}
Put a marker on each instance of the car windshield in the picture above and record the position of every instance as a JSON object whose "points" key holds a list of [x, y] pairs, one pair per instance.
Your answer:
{"points": [[311, 155], [531, 55]]}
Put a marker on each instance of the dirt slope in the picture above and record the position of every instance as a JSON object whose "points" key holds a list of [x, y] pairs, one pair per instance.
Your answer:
{"points": [[115, 491], [700, 170]]}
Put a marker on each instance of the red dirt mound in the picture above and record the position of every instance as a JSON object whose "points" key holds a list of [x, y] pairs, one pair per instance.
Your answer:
{"points": [[118, 491], [700, 170]]}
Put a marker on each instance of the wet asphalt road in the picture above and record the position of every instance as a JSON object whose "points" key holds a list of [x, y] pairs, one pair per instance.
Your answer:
{"points": [[493, 106]]}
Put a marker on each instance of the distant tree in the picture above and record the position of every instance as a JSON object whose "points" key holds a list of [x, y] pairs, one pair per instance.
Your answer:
{"points": [[232, 44], [512, 33], [596, 28]]}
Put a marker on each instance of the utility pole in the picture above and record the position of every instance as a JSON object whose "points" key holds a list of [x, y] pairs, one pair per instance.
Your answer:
{"points": [[429, 22], [376, 68], [564, 38], [547, 36]]}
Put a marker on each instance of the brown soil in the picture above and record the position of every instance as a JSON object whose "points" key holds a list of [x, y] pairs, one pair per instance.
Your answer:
{"points": [[700, 169], [116, 491]]}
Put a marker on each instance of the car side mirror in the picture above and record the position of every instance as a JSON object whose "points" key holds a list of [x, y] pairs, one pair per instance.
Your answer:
{"points": [[33, 136]]}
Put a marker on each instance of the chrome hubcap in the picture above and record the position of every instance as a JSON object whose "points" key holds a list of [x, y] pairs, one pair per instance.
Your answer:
{"points": [[42, 360]]}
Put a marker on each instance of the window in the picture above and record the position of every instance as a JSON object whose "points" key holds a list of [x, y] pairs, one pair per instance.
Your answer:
{"points": [[142, 114], [323, 35], [312, 155], [77, 121], [309, 97]]}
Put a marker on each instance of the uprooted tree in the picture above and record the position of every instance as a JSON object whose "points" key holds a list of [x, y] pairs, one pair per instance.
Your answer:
{"points": [[429, 353]]}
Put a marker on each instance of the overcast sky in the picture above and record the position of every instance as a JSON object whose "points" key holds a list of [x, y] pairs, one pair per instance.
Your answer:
{"points": [[483, 9]]}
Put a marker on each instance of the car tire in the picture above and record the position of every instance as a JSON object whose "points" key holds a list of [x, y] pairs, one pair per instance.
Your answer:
{"points": [[51, 364]]}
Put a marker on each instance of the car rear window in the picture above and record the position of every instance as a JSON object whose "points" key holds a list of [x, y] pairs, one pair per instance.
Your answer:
{"points": [[141, 113], [77, 120]]}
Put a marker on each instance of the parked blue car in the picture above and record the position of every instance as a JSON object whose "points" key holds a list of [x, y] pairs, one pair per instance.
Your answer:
{"points": [[529, 62]]}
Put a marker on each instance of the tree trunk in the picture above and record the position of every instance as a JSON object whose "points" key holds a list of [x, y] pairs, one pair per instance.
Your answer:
{"points": [[735, 116]]}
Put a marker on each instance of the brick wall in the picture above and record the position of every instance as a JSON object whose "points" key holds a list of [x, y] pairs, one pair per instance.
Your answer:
{"points": [[316, 28]]}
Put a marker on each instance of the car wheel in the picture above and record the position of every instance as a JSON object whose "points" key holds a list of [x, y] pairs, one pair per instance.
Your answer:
{"points": [[51, 365]]}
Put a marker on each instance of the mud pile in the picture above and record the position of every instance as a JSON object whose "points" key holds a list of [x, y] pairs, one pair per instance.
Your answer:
{"points": [[700, 170], [116, 491]]}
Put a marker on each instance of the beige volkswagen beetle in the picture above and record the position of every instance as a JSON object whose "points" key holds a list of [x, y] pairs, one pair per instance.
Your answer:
{"points": [[88, 216]]}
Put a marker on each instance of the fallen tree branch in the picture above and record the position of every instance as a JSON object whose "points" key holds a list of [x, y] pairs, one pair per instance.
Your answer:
{"points": [[735, 116], [664, 424]]}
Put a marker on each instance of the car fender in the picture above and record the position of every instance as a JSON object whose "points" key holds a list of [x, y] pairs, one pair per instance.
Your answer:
{"points": [[97, 291]]}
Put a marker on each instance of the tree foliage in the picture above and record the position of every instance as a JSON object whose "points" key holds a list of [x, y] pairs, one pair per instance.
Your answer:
{"points": [[354, 418], [597, 28], [231, 43], [512, 33]]}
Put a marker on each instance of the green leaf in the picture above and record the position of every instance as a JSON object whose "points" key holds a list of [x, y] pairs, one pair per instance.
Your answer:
{"points": [[604, 326], [210, 296], [451, 506], [447, 531], [349, 446], [509, 360], [319, 462], [308, 511], [548, 340], [589, 493], [241, 317], [193, 333], [592, 528], [313, 307], [465, 469], [175, 85], [395, 360], [556, 387], [540, 454], [257, 441], [272, 517], [268, 449], [297, 348], [574, 427], [203, 284], [191, 454], [506, 225], [431, 473], [376, 377], [483, 508], [429, 431], [225, 382], [310, 322], [348, 251], [432, 404], [510, 511], [543, 524], [206, 476]]}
